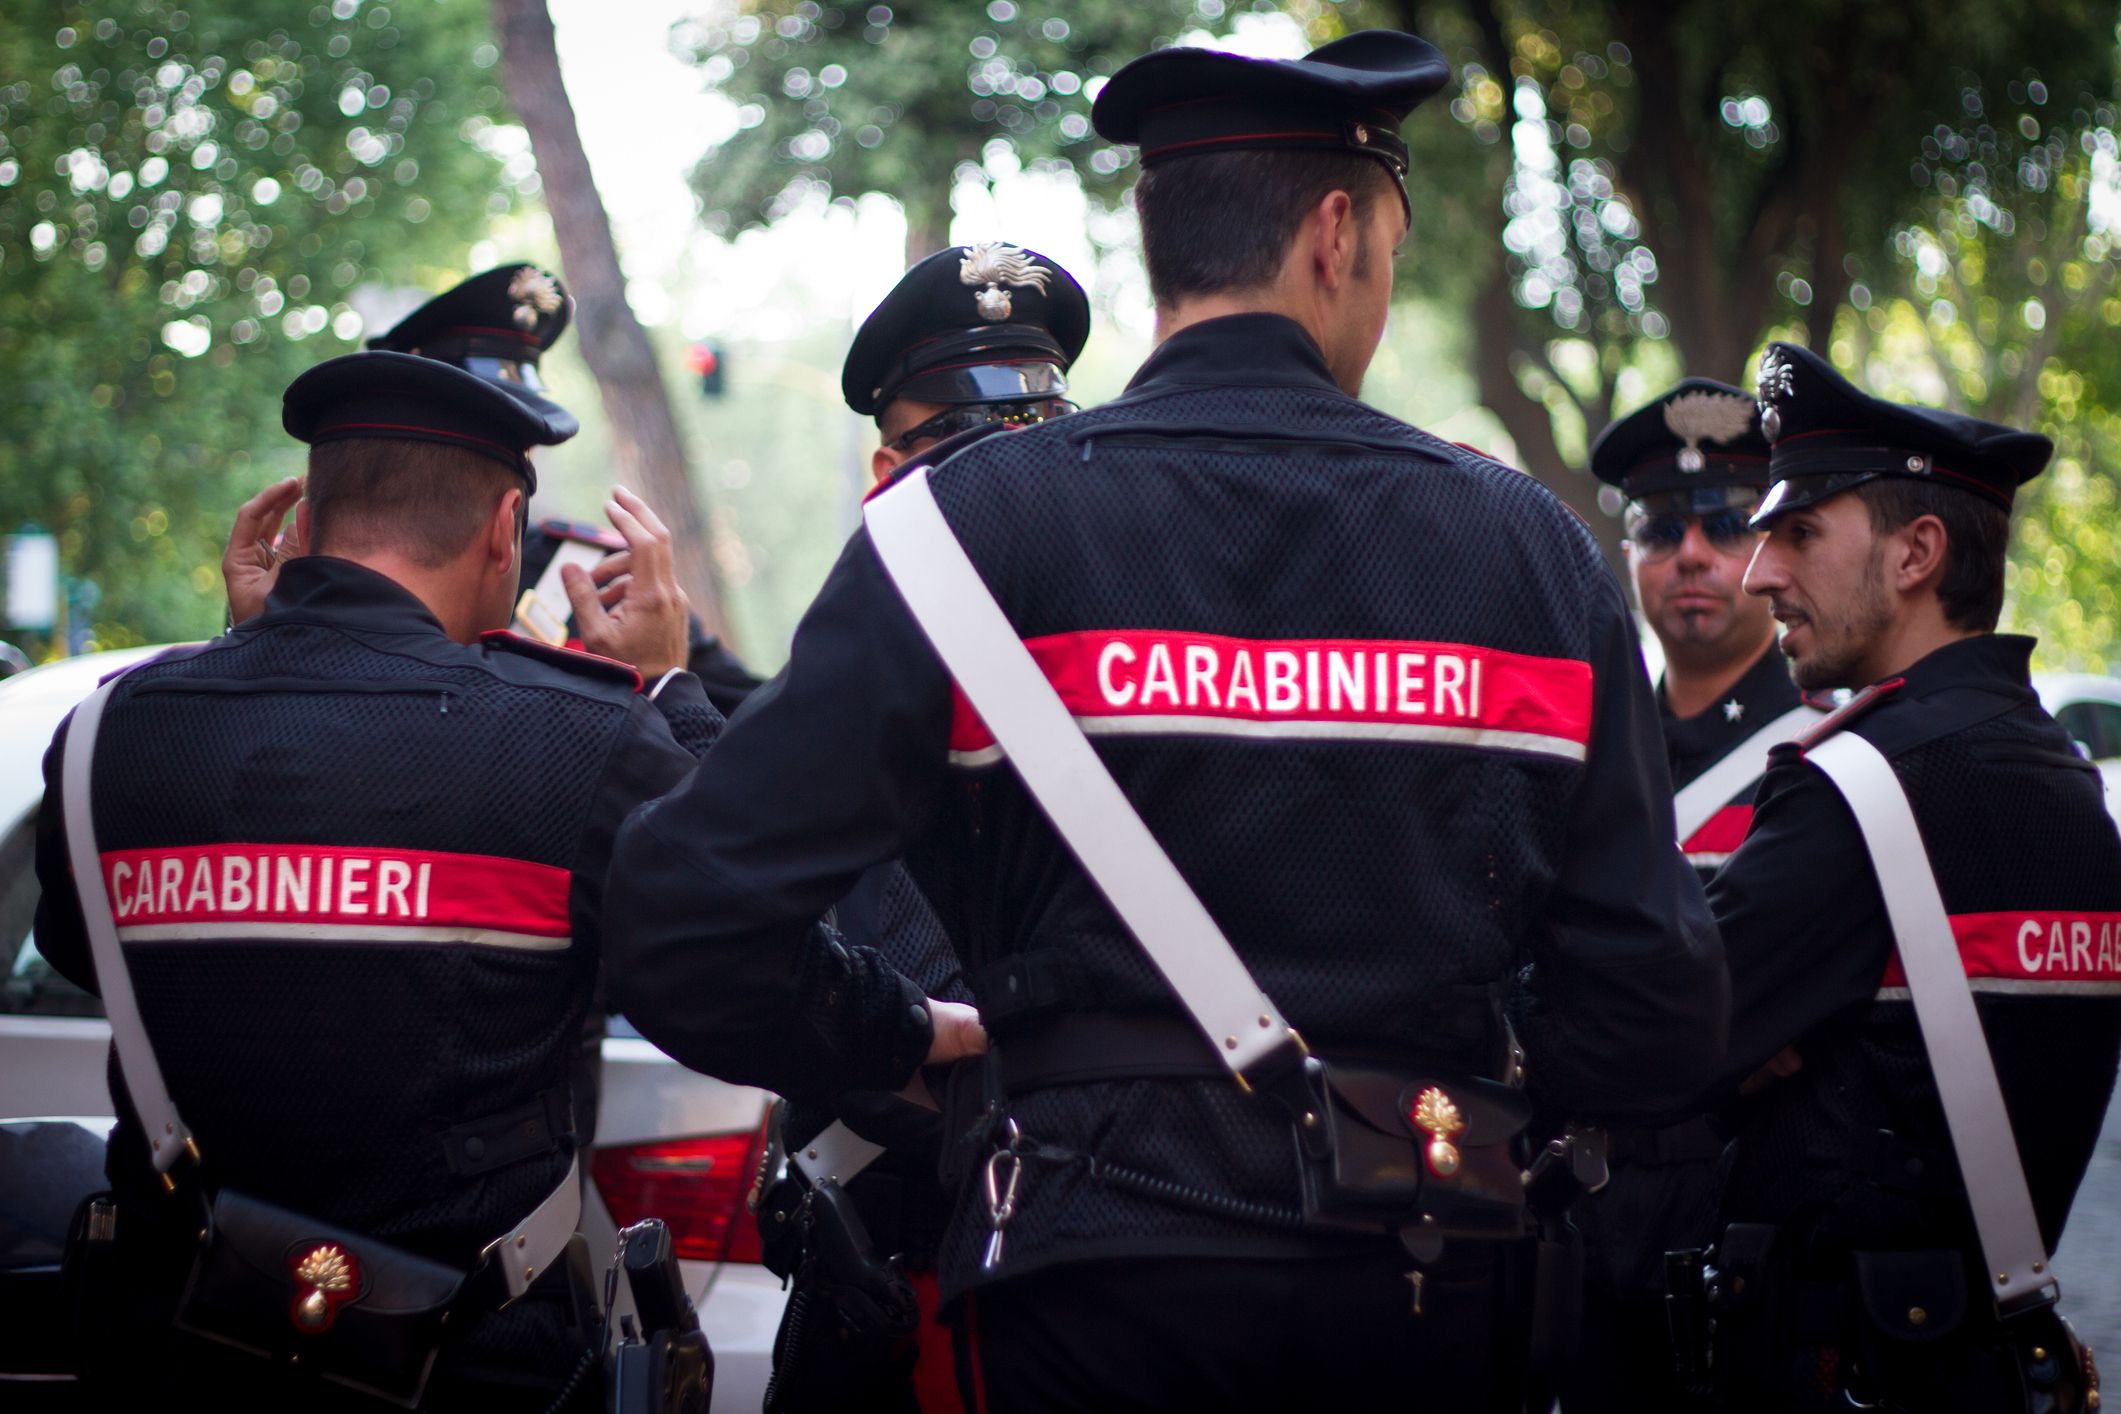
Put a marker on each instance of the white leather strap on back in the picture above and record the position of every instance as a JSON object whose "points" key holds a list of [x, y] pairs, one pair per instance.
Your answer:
{"points": [[523, 1251], [1951, 1027], [167, 1136], [1700, 799], [1064, 775]]}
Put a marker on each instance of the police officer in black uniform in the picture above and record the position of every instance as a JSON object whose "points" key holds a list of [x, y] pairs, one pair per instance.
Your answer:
{"points": [[1384, 854], [1849, 1273], [973, 340], [1693, 466], [394, 1055]]}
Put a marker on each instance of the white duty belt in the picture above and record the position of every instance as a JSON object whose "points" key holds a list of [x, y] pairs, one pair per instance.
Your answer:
{"points": [[1049, 752], [1697, 803], [1951, 1027], [522, 1252]]}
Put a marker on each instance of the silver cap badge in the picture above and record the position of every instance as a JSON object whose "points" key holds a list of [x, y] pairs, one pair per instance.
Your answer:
{"points": [[1702, 416], [1778, 381], [995, 264], [535, 293]]}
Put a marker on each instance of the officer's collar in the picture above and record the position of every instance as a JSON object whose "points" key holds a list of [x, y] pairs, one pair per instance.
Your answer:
{"points": [[1248, 350], [313, 586], [1761, 690], [1998, 660]]}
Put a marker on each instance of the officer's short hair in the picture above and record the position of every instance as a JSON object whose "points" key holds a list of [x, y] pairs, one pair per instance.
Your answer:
{"points": [[1224, 220], [424, 500], [1977, 534]]}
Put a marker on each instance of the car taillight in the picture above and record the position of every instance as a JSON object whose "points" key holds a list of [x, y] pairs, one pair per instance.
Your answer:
{"points": [[696, 1186]]}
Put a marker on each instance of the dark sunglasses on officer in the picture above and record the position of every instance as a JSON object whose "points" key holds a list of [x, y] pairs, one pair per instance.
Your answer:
{"points": [[965, 416], [1656, 525]]}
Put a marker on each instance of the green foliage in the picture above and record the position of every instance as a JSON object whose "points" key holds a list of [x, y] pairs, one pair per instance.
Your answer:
{"points": [[901, 97], [188, 198]]}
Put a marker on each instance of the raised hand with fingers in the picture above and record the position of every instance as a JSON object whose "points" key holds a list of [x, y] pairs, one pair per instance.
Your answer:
{"points": [[260, 542], [630, 606]]}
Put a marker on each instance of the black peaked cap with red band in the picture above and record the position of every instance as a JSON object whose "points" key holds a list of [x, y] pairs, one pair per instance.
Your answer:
{"points": [[403, 395], [1699, 436], [1827, 435], [983, 323], [512, 312], [1347, 96]]}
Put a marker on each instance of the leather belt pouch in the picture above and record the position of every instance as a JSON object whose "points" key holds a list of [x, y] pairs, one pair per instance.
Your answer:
{"points": [[296, 1291], [1368, 1163]]}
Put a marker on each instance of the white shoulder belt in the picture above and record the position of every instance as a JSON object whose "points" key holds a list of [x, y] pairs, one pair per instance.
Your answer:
{"points": [[1700, 799], [522, 1252], [1088, 810], [1951, 1027]]}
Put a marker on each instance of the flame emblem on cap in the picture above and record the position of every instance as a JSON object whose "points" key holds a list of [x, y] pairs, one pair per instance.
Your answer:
{"points": [[1702, 416], [995, 264], [1778, 381], [536, 294]]}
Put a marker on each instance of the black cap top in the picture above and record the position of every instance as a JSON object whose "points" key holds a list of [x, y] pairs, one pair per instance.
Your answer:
{"points": [[400, 395], [1701, 435], [510, 314], [1347, 96], [1829, 435], [986, 323]]}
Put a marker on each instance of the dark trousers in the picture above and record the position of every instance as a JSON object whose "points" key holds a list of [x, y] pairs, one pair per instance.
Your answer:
{"points": [[1236, 1334]]}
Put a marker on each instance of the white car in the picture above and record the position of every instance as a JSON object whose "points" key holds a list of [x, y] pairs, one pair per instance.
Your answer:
{"points": [[2089, 709], [670, 1143]]}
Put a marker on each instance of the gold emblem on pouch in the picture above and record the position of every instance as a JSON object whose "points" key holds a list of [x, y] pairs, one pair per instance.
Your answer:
{"points": [[1436, 1116], [328, 1272]]}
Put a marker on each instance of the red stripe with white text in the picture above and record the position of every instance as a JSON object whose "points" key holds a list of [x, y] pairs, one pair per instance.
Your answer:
{"points": [[2037, 953], [336, 894], [1154, 682]]}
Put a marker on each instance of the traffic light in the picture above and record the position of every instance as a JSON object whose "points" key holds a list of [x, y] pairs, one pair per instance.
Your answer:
{"points": [[710, 363]]}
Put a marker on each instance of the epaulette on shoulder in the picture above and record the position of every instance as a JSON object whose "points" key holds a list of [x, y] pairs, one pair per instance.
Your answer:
{"points": [[1849, 711], [572, 660]]}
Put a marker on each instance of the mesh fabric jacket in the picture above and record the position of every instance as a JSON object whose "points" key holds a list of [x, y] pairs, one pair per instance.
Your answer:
{"points": [[321, 1070], [1234, 495], [2020, 840]]}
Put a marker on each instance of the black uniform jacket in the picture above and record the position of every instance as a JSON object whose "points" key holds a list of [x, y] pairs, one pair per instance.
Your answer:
{"points": [[1379, 698], [2030, 868], [358, 870], [1694, 744]]}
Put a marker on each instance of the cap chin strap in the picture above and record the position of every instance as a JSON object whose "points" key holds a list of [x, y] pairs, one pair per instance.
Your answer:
{"points": [[1951, 1026], [521, 1253]]}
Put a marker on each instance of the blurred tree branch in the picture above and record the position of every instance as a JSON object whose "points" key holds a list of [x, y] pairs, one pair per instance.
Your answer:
{"points": [[636, 403]]}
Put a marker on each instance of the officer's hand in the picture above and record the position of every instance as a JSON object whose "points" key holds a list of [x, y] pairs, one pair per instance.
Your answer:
{"points": [[258, 545], [958, 1033], [1781, 1066], [630, 607]]}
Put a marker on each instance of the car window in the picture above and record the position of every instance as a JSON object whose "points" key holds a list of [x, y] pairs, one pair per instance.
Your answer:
{"points": [[2096, 724], [30, 987]]}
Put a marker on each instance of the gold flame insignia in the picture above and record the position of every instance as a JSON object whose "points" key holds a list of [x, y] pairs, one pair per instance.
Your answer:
{"points": [[995, 264], [326, 1269], [1436, 1116], [536, 294], [1702, 416]]}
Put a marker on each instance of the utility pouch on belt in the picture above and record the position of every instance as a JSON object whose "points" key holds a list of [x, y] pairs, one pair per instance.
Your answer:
{"points": [[306, 1294], [1426, 1157]]}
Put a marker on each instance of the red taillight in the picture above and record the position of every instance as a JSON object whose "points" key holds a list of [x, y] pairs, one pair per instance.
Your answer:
{"points": [[697, 1186]]}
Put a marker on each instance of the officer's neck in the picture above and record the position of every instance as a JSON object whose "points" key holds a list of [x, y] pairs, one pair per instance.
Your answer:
{"points": [[455, 592], [1691, 688], [1312, 313], [1919, 630]]}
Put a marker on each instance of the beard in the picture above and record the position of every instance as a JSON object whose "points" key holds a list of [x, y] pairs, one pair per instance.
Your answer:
{"points": [[1842, 644]]}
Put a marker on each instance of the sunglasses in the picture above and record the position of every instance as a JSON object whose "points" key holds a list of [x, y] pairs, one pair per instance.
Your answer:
{"points": [[1658, 537], [966, 416]]}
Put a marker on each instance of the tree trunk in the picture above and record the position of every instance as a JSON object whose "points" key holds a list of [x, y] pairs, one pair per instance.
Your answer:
{"points": [[644, 435]]}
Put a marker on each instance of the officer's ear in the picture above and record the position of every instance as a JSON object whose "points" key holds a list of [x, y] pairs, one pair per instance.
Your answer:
{"points": [[1917, 555], [504, 530], [1335, 235]]}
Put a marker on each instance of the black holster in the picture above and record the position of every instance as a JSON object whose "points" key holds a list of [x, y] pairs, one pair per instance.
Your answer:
{"points": [[846, 1337]]}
